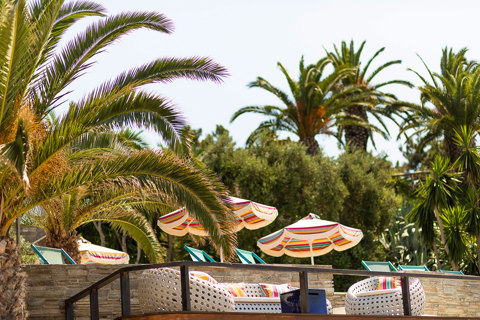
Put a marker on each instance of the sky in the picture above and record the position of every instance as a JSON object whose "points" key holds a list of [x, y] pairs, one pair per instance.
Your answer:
{"points": [[249, 37]]}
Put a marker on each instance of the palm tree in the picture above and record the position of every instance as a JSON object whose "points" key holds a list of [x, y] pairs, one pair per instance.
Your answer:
{"points": [[34, 76], [318, 104], [435, 195], [123, 207], [356, 136], [454, 94]]}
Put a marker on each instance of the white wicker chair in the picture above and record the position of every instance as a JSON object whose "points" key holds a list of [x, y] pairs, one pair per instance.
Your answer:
{"points": [[255, 302], [363, 298], [160, 290]]}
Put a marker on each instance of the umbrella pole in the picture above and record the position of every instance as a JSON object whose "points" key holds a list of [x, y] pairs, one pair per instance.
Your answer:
{"points": [[221, 254], [311, 253]]}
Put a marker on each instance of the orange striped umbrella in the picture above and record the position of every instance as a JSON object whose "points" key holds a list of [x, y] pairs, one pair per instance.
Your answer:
{"points": [[248, 214], [93, 254], [310, 237]]}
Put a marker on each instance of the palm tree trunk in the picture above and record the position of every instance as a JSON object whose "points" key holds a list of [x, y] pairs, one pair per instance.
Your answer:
{"points": [[452, 150], [67, 242], [442, 236], [312, 145], [356, 137], [12, 282]]}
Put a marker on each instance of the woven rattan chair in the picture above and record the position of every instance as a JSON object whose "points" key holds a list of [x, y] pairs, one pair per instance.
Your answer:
{"points": [[160, 290], [363, 298]]}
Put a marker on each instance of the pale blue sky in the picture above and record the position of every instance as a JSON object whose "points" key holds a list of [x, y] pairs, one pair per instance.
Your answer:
{"points": [[248, 37]]}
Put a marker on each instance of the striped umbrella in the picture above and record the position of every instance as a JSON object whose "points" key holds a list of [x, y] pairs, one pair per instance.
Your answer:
{"points": [[248, 214], [93, 254], [310, 237]]}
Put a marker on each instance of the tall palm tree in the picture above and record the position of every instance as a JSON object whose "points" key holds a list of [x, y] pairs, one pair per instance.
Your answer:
{"points": [[34, 76], [356, 136], [449, 101], [435, 195], [318, 104]]}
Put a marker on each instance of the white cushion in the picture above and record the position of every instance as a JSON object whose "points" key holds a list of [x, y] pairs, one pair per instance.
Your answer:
{"points": [[256, 300], [377, 292]]}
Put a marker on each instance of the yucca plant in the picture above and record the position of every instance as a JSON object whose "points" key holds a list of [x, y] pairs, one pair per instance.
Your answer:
{"points": [[35, 75], [469, 164], [435, 194], [456, 238]]}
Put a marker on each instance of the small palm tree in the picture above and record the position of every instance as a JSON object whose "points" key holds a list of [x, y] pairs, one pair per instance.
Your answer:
{"points": [[122, 209], [318, 104], [454, 94], [122, 206], [356, 136]]}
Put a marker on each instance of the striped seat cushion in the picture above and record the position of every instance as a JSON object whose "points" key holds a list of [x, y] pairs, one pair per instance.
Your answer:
{"points": [[274, 290], [203, 276], [384, 283], [236, 289]]}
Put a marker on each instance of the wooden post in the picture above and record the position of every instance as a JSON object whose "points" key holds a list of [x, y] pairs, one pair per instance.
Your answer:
{"points": [[304, 307], [407, 308], [94, 313], [170, 248], [69, 311], [125, 293], [185, 284]]}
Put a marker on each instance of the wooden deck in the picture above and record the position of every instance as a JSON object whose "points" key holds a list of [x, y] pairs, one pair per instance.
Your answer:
{"points": [[267, 316]]}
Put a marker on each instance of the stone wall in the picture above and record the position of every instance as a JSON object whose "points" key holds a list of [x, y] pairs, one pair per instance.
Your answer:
{"points": [[338, 299], [452, 297], [447, 298], [49, 285]]}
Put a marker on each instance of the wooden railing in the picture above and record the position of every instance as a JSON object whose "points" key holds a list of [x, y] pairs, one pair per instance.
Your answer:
{"points": [[123, 275]]}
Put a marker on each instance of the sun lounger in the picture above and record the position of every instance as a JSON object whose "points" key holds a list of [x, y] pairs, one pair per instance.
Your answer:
{"points": [[198, 255], [248, 257], [52, 255], [412, 268], [379, 266]]}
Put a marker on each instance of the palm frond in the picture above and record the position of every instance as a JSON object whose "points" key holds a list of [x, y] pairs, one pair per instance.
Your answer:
{"points": [[74, 58]]}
